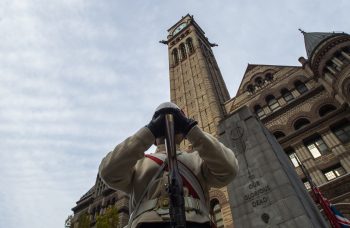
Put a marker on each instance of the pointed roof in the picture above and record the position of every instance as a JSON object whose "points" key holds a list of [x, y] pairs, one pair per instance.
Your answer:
{"points": [[313, 39]]}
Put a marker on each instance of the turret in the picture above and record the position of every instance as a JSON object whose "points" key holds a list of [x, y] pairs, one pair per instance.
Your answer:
{"points": [[329, 60]]}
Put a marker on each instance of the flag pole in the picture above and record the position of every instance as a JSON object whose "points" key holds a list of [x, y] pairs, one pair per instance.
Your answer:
{"points": [[318, 197]]}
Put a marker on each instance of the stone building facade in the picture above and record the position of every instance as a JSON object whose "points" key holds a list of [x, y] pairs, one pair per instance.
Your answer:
{"points": [[306, 108]]}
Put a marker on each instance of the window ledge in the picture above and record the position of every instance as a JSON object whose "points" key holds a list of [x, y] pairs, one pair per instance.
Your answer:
{"points": [[325, 161]]}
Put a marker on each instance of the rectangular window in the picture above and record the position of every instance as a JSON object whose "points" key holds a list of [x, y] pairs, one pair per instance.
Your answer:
{"points": [[314, 150], [307, 184], [301, 88], [334, 172], [274, 105], [293, 157], [342, 132], [260, 112], [288, 97], [218, 217], [317, 147]]}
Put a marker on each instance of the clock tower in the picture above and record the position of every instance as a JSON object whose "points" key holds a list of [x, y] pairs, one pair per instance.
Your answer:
{"points": [[196, 83], [197, 87]]}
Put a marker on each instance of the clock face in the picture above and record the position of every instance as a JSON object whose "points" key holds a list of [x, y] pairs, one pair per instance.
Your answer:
{"points": [[179, 28]]}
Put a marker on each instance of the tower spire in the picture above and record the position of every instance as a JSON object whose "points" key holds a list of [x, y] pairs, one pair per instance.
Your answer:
{"points": [[313, 39], [302, 31]]}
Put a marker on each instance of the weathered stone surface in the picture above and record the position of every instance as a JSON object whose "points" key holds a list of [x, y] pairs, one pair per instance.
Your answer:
{"points": [[267, 192]]}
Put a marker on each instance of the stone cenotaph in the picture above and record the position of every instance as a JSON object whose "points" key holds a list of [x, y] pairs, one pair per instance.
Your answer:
{"points": [[267, 191]]}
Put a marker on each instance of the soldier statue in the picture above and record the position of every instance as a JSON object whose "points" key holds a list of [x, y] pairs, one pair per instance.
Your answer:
{"points": [[145, 177]]}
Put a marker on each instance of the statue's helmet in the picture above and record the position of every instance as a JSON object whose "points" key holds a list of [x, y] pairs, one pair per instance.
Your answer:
{"points": [[166, 107]]}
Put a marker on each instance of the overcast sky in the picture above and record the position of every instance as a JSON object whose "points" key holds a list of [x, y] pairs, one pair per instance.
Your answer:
{"points": [[77, 77]]}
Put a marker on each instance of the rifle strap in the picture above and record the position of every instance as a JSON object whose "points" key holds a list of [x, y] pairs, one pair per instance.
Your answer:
{"points": [[135, 212], [189, 179]]}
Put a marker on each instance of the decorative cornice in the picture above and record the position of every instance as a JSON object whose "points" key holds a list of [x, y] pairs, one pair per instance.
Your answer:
{"points": [[308, 129], [292, 104], [81, 204], [337, 187]]}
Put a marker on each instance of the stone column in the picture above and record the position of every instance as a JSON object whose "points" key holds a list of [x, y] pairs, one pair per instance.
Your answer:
{"points": [[267, 191], [331, 70], [337, 62], [345, 55]]}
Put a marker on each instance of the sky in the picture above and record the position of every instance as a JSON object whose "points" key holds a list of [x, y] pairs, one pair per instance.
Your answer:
{"points": [[79, 76]]}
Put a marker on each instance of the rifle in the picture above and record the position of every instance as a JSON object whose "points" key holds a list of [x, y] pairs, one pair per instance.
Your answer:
{"points": [[175, 188]]}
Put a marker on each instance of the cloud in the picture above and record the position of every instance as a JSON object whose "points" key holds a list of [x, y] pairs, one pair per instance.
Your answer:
{"points": [[78, 77]]}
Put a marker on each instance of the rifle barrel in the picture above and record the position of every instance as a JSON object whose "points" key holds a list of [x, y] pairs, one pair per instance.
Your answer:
{"points": [[176, 197]]}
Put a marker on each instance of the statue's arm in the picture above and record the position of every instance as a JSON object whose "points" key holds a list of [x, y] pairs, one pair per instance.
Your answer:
{"points": [[118, 167], [219, 165]]}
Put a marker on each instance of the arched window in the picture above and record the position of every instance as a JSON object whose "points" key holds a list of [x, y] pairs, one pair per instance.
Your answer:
{"points": [[287, 95], [183, 51], [98, 210], [175, 56], [215, 209], [259, 111], [325, 109], [278, 134], [259, 81], [190, 45], [301, 87], [301, 123], [268, 77], [347, 50], [272, 103], [93, 213], [250, 88]]}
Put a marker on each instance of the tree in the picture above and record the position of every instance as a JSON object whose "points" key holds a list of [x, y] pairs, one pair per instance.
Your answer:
{"points": [[84, 221], [68, 222], [110, 219]]}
